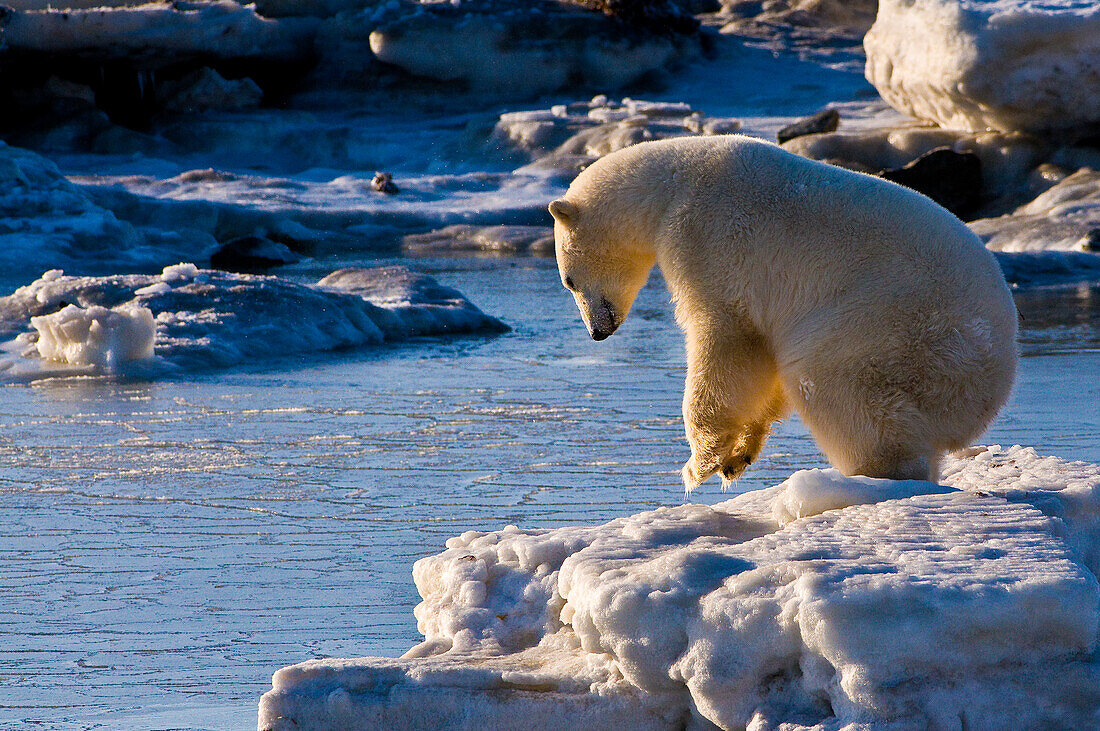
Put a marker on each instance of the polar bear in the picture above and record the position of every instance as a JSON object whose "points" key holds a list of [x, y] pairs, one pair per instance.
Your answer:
{"points": [[862, 305]]}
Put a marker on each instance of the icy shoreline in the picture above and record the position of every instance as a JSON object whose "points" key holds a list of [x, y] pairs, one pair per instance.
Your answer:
{"points": [[823, 600]]}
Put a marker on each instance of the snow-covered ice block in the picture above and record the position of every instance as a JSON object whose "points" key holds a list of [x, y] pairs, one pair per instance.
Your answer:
{"points": [[823, 600], [1031, 65], [208, 318]]}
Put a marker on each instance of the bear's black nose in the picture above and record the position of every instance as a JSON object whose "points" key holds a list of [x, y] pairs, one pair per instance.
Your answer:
{"points": [[600, 335]]}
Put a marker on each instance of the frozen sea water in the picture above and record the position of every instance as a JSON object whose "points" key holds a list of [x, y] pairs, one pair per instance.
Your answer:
{"points": [[165, 546]]}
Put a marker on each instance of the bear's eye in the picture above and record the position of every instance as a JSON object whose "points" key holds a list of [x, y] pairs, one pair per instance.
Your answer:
{"points": [[569, 283]]}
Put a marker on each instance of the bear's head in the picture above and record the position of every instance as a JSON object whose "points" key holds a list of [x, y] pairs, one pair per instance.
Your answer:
{"points": [[599, 264]]}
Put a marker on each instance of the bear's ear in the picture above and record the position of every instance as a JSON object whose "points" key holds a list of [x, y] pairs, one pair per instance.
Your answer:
{"points": [[563, 211]]}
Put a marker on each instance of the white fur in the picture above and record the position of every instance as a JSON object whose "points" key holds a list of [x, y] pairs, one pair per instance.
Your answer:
{"points": [[867, 308]]}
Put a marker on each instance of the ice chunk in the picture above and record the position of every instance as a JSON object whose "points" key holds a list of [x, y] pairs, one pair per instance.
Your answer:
{"points": [[206, 89], [587, 131], [208, 318], [973, 604], [823, 22], [1062, 218], [96, 336], [179, 273], [989, 64]]}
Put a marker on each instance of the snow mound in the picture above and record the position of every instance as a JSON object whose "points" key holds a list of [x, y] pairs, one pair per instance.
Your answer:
{"points": [[189, 318], [824, 600], [1027, 65]]}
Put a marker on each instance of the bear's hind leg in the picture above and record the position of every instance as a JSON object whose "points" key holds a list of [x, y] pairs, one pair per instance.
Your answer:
{"points": [[899, 466], [864, 424]]}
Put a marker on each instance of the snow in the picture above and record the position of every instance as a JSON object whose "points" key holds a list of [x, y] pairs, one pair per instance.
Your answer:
{"points": [[188, 318], [343, 209], [1030, 65], [823, 600]]}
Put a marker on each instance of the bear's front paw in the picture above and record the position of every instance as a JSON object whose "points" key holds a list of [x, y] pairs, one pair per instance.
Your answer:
{"points": [[733, 466]]}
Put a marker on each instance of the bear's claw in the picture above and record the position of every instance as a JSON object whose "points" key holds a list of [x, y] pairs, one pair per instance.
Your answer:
{"points": [[732, 468]]}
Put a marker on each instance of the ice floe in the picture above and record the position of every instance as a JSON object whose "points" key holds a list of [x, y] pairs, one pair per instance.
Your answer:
{"points": [[990, 64], [822, 601], [189, 318]]}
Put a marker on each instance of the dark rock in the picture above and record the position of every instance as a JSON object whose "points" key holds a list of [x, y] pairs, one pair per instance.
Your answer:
{"points": [[1092, 240], [251, 254], [383, 183], [826, 121], [952, 179]]}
